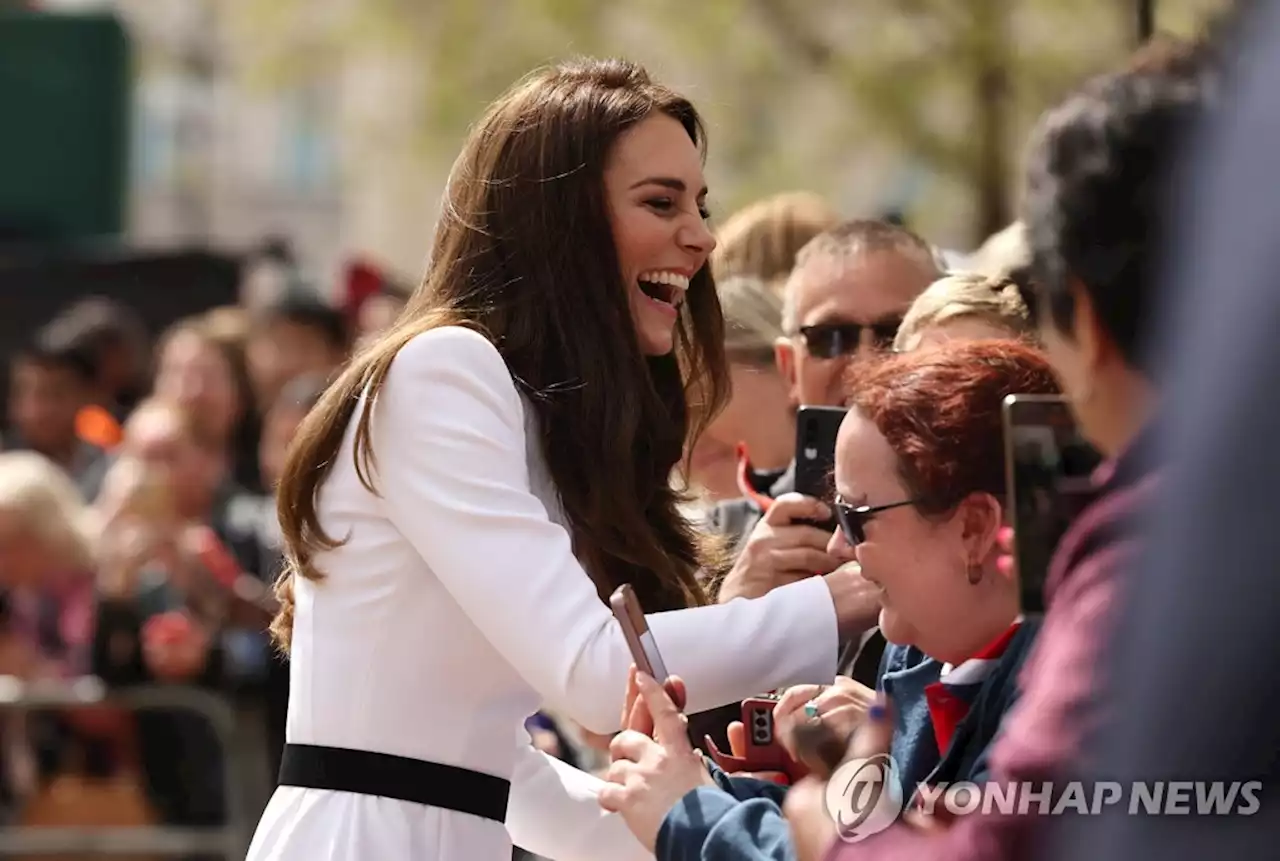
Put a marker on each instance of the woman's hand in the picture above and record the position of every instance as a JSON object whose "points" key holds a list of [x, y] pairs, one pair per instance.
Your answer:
{"points": [[650, 775], [842, 706], [856, 599]]}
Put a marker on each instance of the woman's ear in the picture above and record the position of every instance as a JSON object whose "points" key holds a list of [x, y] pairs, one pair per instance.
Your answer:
{"points": [[981, 518]]}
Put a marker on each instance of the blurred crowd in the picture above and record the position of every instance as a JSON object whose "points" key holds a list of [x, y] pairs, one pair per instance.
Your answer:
{"points": [[138, 536]]}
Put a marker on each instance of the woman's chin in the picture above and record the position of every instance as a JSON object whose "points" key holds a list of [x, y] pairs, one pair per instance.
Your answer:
{"points": [[894, 629]]}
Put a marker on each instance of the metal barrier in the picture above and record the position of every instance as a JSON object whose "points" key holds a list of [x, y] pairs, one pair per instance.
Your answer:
{"points": [[230, 841]]}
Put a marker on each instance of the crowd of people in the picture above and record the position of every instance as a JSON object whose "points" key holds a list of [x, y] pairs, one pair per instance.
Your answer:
{"points": [[140, 537]]}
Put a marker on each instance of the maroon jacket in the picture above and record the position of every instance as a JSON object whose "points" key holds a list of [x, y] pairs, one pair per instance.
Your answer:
{"points": [[1042, 735]]}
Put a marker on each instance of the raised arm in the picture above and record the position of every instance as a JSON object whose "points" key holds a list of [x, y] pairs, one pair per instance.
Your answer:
{"points": [[452, 468]]}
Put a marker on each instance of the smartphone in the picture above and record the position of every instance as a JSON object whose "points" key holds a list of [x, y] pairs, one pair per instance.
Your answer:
{"points": [[816, 431], [644, 649], [764, 750], [1048, 470]]}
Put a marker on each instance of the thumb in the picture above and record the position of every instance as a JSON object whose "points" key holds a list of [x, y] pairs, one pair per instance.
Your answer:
{"points": [[669, 725]]}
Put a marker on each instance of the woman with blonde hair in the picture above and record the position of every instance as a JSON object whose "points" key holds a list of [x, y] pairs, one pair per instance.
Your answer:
{"points": [[965, 306], [762, 240]]}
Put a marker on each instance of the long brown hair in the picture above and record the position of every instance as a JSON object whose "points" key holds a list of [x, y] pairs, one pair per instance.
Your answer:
{"points": [[524, 254]]}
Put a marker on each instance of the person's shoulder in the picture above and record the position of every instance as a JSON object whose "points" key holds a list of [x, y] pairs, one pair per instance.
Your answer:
{"points": [[452, 345]]}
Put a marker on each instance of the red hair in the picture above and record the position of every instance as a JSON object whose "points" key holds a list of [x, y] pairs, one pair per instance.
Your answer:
{"points": [[940, 411]]}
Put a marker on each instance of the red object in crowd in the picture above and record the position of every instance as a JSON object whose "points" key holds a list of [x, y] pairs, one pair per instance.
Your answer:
{"points": [[362, 281], [167, 628]]}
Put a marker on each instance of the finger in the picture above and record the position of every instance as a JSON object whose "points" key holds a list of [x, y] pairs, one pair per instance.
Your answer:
{"points": [[675, 689], [629, 746], [795, 698], [1005, 539], [628, 702], [640, 720], [875, 732], [612, 797], [844, 720], [796, 563], [737, 734], [802, 535], [1005, 565], [796, 506], [669, 725]]}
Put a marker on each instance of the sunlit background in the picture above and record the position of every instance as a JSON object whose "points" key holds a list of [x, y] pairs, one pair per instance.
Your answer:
{"points": [[333, 122]]}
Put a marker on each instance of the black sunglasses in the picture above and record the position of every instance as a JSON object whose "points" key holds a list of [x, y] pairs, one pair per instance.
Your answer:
{"points": [[828, 340], [853, 518]]}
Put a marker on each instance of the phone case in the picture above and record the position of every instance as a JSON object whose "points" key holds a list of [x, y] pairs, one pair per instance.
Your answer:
{"points": [[764, 752]]}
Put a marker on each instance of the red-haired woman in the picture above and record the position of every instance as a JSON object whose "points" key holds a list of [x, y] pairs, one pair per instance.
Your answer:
{"points": [[920, 499]]}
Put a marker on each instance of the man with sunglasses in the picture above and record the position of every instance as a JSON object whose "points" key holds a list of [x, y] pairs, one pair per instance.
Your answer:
{"points": [[846, 296], [844, 299]]}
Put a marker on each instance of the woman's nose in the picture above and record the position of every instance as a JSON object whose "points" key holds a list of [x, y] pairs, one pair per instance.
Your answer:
{"points": [[696, 236]]}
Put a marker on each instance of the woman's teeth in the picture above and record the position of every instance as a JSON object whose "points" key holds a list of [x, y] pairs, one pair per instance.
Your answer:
{"points": [[668, 287]]}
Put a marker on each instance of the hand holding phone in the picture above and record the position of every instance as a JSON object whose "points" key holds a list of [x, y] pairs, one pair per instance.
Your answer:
{"points": [[756, 748]]}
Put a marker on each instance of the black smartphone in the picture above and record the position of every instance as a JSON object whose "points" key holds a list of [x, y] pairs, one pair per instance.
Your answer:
{"points": [[1048, 469], [816, 431]]}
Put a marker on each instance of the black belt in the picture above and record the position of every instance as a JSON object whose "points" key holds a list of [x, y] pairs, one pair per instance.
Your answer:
{"points": [[368, 773]]}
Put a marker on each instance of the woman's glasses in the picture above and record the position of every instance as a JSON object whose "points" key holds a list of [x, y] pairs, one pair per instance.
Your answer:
{"points": [[853, 518], [828, 340]]}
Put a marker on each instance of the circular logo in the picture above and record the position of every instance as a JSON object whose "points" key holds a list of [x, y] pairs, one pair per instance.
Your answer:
{"points": [[864, 797]]}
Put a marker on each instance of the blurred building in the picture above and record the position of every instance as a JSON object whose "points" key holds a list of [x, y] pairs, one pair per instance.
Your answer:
{"points": [[218, 159]]}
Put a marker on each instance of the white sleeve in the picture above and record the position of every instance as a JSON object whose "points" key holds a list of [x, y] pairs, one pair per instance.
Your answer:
{"points": [[448, 436], [554, 811]]}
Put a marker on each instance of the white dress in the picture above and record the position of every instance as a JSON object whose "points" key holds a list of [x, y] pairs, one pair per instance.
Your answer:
{"points": [[456, 609]]}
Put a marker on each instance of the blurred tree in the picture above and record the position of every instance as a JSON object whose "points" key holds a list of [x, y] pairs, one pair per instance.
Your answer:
{"points": [[797, 92]]}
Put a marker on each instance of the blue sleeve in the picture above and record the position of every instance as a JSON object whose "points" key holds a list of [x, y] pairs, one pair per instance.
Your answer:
{"points": [[745, 788], [708, 824]]}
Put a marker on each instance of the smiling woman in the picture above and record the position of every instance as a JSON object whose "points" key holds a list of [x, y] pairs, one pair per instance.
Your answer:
{"points": [[481, 476]]}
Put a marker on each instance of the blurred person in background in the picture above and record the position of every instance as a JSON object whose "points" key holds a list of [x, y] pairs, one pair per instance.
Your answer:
{"points": [[48, 568], [296, 334], [201, 367], [473, 487], [753, 438], [52, 379], [921, 499], [378, 313], [763, 239], [1096, 209], [965, 306], [115, 336]]}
